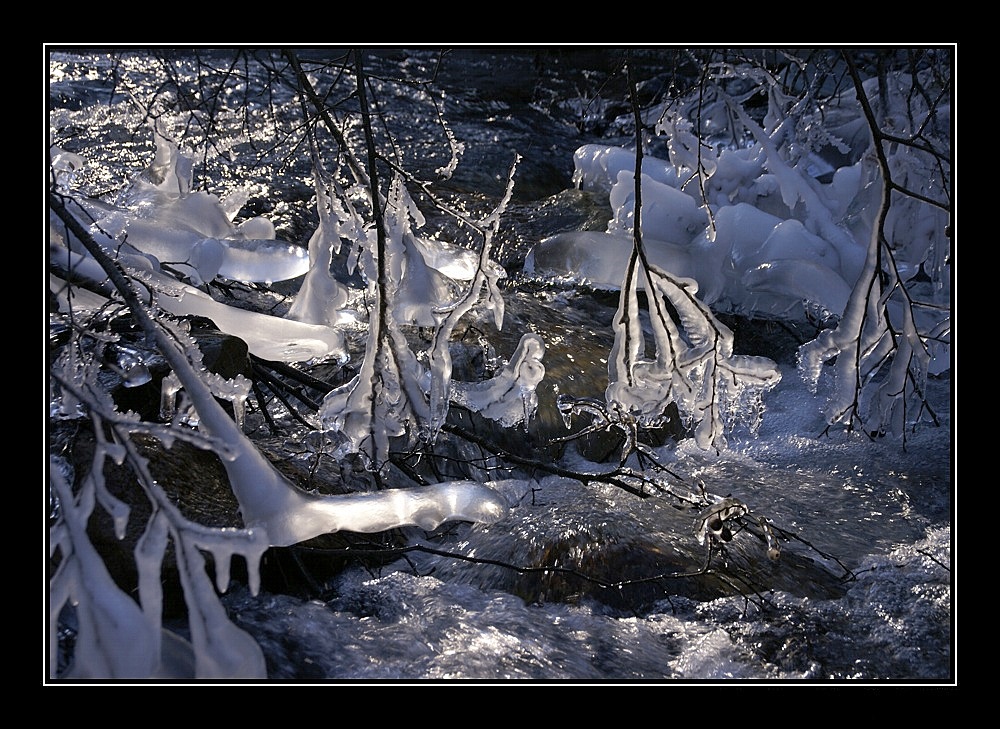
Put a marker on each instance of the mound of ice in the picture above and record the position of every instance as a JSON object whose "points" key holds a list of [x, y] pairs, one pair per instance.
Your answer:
{"points": [[193, 233], [744, 258]]}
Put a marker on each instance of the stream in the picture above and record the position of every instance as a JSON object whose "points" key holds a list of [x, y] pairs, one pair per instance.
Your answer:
{"points": [[864, 587]]}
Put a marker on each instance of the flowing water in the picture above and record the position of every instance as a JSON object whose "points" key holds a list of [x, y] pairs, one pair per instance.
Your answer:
{"points": [[864, 589]]}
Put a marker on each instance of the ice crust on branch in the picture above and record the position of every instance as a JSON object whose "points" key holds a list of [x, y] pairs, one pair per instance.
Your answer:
{"points": [[119, 638], [484, 288], [896, 329], [749, 228], [170, 215], [268, 337]]}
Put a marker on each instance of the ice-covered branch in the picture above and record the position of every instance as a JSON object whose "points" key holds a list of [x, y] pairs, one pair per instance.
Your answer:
{"points": [[115, 638], [694, 365], [485, 284], [111, 641], [887, 343], [418, 282]]}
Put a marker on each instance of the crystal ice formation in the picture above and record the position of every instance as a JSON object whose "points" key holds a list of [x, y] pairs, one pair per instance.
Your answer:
{"points": [[193, 232], [743, 258]]}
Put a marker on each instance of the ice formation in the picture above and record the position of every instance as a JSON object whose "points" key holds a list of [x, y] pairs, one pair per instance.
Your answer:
{"points": [[743, 258], [162, 228], [191, 231], [761, 236], [509, 397], [773, 228], [321, 298], [268, 337]]}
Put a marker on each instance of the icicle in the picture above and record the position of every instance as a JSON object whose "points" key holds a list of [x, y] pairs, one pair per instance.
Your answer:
{"points": [[114, 639], [773, 548], [169, 387], [321, 297]]}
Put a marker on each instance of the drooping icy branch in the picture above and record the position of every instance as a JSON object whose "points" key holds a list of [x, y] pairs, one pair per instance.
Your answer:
{"points": [[874, 335], [694, 366], [883, 353], [114, 638], [385, 399]]}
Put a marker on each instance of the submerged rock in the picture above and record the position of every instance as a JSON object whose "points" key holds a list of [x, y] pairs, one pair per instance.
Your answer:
{"points": [[566, 541]]}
